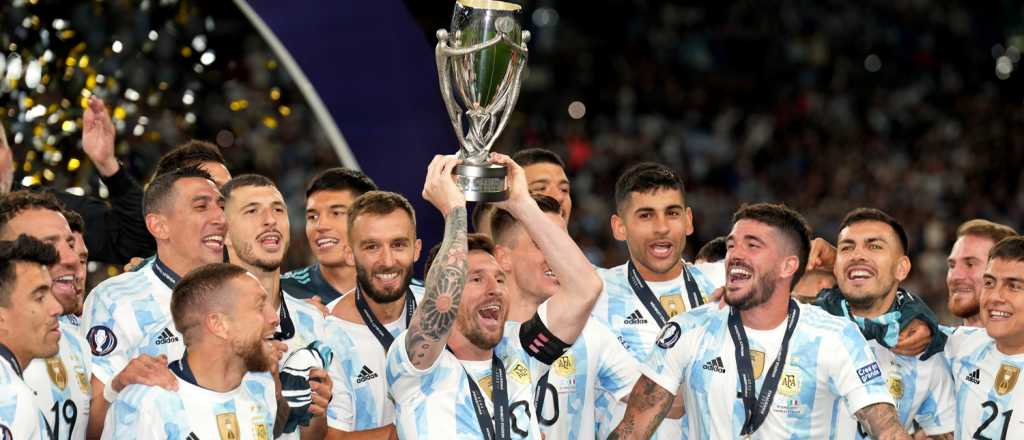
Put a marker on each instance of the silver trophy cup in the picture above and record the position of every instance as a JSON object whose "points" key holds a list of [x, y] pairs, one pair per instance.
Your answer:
{"points": [[481, 61]]}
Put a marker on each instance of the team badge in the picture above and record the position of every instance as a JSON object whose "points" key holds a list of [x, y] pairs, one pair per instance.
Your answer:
{"points": [[669, 335], [565, 365], [101, 340], [260, 432], [227, 425], [789, 383], [757, 361], [58, 374], [673, 304], [487, 385], [1006, 378], [519, 372], [895, 387]]}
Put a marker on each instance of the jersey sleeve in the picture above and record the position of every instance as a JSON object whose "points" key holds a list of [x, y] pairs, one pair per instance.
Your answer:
{"points": [[405, 381], [145, 413], [673, 352], [341, 410], [854, 373], [19, 416], [617, 371], [938, 411], [108, 336]]}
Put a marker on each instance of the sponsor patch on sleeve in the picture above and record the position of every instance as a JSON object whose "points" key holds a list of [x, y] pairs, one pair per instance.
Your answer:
{"points": [[869, 372], [669, 335]]}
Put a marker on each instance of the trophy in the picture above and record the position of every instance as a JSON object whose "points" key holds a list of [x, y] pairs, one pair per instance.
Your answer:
{"points": [[482, 59]]}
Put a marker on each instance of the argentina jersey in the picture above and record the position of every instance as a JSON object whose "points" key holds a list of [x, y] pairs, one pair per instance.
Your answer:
{"points": [[300, 325], [922, 390], [309, 282], [828, 361], [193, 412], [20, 416], [62, 383], [985, 382], [126, 316], [436, 403], [584, 387], [360, 389]]}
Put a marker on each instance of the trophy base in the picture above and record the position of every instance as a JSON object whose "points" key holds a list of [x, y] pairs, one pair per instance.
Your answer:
{"points": [[482, 183]]}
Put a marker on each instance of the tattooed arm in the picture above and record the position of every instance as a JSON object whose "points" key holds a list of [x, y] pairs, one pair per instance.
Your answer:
{"points": [[434, 318], [648, 405], [881, 422]]}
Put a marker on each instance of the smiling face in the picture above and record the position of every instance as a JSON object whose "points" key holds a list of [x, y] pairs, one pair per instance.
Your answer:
{"points": [[384, 248], [964, 274], [484, 306], [550, 179], [870, 263], [755, 258], [257, 227], [654, 226], [192, 226], [1002, 296], [253, 322], [52, 228], [327, 226], [29, 319]]}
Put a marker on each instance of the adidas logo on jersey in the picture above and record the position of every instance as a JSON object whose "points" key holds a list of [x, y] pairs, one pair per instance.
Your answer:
{"points": [[715, 365], [192, 436], [166, 337], [635, 318], [365, 374], [974, 377]]}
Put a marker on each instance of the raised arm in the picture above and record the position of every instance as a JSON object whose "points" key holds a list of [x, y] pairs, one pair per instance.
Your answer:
{"points": [[435, 316], [881, 422], [648, 405], [579, 284]]}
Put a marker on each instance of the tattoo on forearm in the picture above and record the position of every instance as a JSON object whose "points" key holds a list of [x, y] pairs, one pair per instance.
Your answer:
{"points": [[880, 421], [433, 321], [648, 405]]}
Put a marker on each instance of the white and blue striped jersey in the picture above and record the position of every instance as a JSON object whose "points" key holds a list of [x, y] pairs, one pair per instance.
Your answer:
{"points": [[828, 361], [360, 389], [436, 403], [20, 415], [126, 316], [307, 321], [986, 382], [193, 412], [62, 383], [584, 387]]}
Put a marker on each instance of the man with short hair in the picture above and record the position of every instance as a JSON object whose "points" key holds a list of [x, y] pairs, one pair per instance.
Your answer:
{"points": [[223, 386], [328, 199], [383, 247], [545, 173], [77, 224], [987, 362], [60, 381], [966, 266], [578, 397], [712, 251], [781, 356], [195, 153], [871, 263], [490, 363], [129, 315], [28, 331]]}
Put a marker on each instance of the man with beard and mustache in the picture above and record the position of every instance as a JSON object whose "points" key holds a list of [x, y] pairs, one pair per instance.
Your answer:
{"points": [[966, 266], [224, 388], [490, 364], [60, 381], [791, 362], [257, 239], [871, 262], [382, 249]]}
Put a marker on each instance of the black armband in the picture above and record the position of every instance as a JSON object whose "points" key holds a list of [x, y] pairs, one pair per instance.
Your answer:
{"points": [[539, 342]]}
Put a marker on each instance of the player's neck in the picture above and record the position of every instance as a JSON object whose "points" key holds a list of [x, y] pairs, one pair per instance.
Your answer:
{"points": [[652, 276], [386, 312], [1010, 346], [20, 356], [877, 308], [769, 315], [465, 350], [216, 369], [341, 277], [178, 264], [973, 321], [522, 306]]}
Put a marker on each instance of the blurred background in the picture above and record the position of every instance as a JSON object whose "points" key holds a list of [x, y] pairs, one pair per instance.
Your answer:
{"points": [[910, 106]]}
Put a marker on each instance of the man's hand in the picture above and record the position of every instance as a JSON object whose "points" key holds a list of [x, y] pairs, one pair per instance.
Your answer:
{"points": [[146, 370], [518, 188], [823, 255], [440, 188], [913, 339], [320, 383], [98, 137]]}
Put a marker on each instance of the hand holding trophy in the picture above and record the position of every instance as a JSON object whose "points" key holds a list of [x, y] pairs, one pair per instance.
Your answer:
{"points": [[480, 60]]}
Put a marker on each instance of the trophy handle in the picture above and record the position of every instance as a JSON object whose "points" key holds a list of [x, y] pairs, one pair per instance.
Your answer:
{"points": [[441, 54]]}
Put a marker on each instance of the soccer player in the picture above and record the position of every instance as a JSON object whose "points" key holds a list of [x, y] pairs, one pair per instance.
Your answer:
{"points": [[967, 261], [129, 315], [545, 173], [61, 382], [195, 153], [490, 363], [382, 232], [28, 331], [585, 384], [871, 262], [791, 363], [257, 239], [77, 224], [223, 388], [328, 200], [712, 251], [987, 362]]}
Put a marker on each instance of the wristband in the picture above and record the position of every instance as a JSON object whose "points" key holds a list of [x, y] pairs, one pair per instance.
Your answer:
{"points": [[540, 342]]}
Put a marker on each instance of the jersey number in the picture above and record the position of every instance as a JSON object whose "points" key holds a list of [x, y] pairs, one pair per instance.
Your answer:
{"points": [[988, 421], [69, 412]]}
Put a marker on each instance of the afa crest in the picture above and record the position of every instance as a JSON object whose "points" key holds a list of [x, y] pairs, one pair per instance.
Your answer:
{"points": [[519, 373], [895, 384], [789, 383], [565, 365], [260, 432]]}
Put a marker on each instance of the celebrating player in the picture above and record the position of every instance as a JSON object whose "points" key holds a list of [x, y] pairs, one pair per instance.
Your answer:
{"points": [[967, 261]]}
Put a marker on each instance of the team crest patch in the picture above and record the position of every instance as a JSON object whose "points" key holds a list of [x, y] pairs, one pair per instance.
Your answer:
{"points": [[486, 384], [565, 365], [669, 335], [895, 384], [519, 372], [5, 432], [673, 304], [757, 361], [227, 425], [102, 340], [58, 374], [869, 372], [1006, 378], [260, 432], [789, 383]]}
